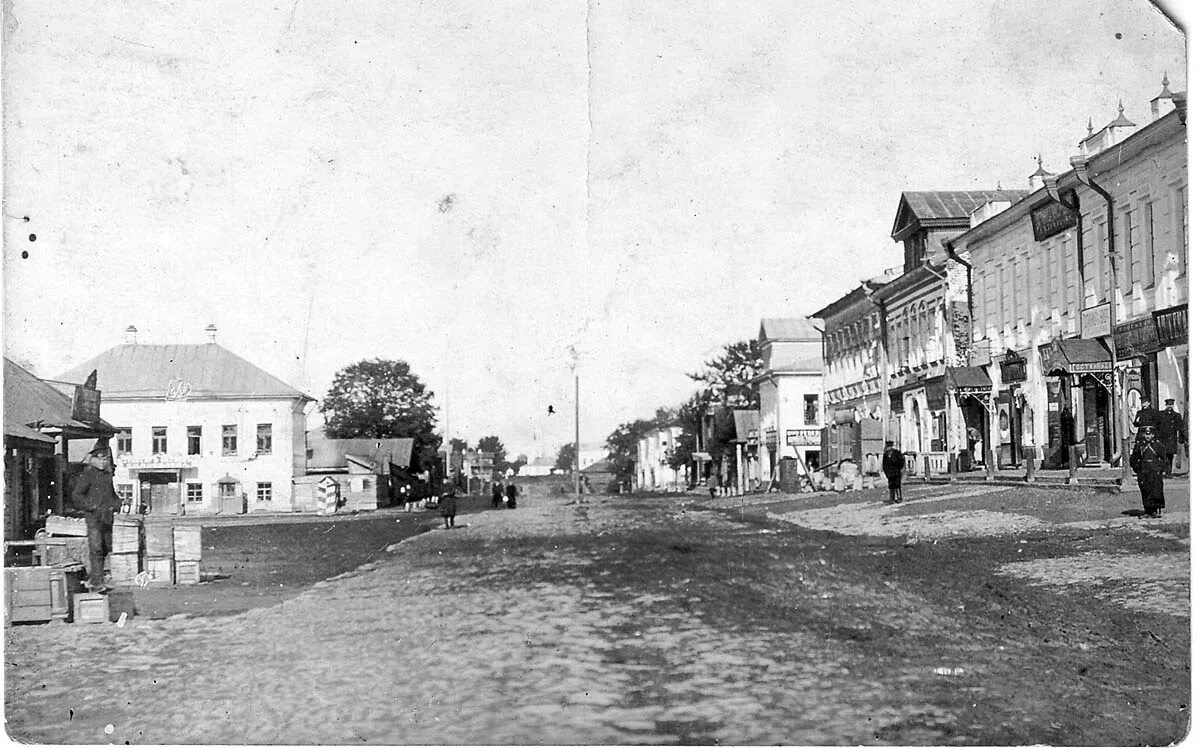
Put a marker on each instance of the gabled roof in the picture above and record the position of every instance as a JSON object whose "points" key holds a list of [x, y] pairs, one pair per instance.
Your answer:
{"points": [[135, 371], [334, 454], [788, 329], [32, 402], [942, 208]]}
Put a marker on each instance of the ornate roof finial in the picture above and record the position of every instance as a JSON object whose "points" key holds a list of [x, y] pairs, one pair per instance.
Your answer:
{"points": [[1089, 127], [1121, 120], [1041, 170]]}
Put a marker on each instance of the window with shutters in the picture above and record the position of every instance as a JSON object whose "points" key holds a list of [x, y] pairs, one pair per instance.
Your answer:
{"points": [[158, 440], [193, 440]]}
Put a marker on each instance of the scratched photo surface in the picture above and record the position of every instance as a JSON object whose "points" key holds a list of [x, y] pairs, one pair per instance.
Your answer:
{"points": [[307, 268]]}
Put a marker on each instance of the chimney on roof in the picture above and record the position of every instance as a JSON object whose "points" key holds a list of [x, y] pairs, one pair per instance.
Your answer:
{"points": [[212, 333], [1164, 102], [131, 335]]}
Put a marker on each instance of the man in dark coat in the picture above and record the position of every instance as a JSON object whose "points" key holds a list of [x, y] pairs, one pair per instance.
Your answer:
{"points": [[893, 468], [1172, 432], [1148, 460], [497, 494], [1147, 416], [511, 491], [94, 496]]}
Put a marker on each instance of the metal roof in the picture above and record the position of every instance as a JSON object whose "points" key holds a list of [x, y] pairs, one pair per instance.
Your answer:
{"points": [[332, 454], [134, 371], [33, 402], [955, 203], [790, 329]]}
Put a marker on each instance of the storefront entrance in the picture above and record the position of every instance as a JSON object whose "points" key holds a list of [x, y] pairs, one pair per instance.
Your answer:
{"points": [[978, 431], [1097, 440], [160, 492]]}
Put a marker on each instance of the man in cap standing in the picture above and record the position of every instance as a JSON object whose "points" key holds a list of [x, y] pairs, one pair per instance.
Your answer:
{"points": [[93, 494], [1172, 432]]}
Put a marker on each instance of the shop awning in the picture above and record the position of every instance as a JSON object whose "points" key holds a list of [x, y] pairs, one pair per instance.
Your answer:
{"points": [[968, 380], [746, 424], [1075, 356]]}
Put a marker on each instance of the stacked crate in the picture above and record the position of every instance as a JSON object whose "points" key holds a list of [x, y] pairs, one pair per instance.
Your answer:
{"points": [[124, 560], [187, 555], [159, 562]]}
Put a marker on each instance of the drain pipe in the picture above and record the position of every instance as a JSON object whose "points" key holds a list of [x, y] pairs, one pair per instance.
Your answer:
{"points": [[1079, 165]]}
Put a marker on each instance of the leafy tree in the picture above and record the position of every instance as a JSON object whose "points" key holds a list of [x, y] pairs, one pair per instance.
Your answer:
{"points": [[622, 446], [517, 464], [728, 376], [566, 458], [382, 399]]}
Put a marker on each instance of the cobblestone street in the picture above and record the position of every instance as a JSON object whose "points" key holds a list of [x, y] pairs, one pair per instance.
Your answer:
{"points": [[608, 622]]}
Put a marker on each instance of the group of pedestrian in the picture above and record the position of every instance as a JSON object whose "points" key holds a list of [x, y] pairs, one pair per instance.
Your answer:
{"points": [[1152, 457], [504, 493]]}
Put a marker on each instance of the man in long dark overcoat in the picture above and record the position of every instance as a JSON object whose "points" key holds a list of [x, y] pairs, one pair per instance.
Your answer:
{"points": [[94, 496], [1148, 460], [893, 468], [1172, 432]]}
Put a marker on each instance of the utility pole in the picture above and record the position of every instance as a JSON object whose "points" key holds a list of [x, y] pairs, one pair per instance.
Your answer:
{"points": [[577, 475]]}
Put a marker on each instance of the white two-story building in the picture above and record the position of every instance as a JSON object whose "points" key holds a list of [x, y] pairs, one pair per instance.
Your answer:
{"points": [[790, 395], [198, 428], [653, 473]]}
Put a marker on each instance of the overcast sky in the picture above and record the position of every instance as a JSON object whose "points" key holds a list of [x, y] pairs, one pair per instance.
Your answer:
{"points": [[476, 186]]}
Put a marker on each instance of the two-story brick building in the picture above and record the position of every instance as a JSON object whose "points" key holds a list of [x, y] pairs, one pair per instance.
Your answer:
{"points": [[198, 428], [1049, 302], [925, 313]]}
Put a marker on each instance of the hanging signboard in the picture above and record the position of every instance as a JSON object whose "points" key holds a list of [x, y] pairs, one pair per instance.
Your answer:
{"points": [[1095, 322], [1171, 325], [1138, 337], [1051, 218], [1012, 368], [85, 406], [804, 437]]}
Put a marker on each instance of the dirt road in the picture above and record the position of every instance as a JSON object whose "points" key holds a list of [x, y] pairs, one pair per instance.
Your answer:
{"points": [[671, 620]]}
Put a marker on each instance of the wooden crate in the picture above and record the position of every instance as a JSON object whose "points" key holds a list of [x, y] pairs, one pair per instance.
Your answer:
{"points": [[159, 569], [126, 536], [123, 567], [28, 596], [160, 540], [65, 581], [90, 607], [187, 572], [64, 550], [76, 526], [187, 543]]}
